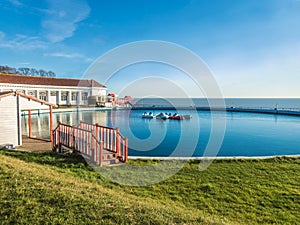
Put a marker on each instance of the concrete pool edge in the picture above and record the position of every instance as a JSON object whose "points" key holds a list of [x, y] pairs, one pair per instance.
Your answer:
{"points": [[213, 158]]}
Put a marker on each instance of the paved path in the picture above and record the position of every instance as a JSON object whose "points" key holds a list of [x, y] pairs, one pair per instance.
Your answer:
{"points": [[30, 144]]}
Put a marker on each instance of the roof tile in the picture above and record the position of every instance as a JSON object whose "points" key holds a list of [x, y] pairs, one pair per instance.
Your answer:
{"points": [[47, 81]]}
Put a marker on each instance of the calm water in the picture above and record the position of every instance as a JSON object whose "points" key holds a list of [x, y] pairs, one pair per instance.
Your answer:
{"points": [[246, 134]]}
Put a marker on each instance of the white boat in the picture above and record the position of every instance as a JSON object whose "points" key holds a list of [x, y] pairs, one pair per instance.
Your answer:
{"points": [[149, 115], [162, 116]]}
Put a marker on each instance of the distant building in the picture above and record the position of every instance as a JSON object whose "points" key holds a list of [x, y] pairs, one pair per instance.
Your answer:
{"points": [[59, 91]]}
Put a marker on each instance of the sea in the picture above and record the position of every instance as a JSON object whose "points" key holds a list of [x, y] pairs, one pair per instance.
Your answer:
{"points": [[280, 103]]}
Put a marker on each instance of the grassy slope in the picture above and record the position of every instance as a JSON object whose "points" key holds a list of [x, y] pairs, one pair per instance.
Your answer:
{"points": [[35, 194], [244, 191], [251, 191]]}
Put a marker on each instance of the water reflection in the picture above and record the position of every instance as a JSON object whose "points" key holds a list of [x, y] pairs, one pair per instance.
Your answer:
{"points": [[247, 134], [41, 123]]}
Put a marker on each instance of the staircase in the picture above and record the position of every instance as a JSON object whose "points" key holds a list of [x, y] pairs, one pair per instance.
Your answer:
{"points": [[101, 145]]}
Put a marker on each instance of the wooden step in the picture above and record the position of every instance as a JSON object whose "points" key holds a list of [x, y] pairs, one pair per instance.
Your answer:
{"points": [[111, 162], [108, 156]]}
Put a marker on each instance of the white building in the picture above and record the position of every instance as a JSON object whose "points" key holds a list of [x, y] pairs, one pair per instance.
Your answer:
{"points": [[59, 91]]}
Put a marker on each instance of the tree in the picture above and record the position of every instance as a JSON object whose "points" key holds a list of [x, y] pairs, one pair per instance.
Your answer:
{"points": [[21, 70], [34, 72], [7, 69], [43, 73], [51, 74], [24, 70], [27, 71]]}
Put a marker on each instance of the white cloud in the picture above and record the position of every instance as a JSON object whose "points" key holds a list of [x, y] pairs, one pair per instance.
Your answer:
{"points": [[61, 23], [69, 56], [24, 63], [65, 55], [22, 42]]}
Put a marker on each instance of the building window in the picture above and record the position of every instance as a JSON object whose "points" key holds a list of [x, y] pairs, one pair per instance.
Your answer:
{"points": [[84, 96], [22, 91], [32, 93], [43, 97], [64, 97], [102, 98], [74, 96], [53, 93]]}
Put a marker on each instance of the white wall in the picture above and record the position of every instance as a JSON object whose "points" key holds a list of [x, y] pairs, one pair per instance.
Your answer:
{"points": [[98, 91], [52, 99], [8, 121], [30, 104], [8, 118]]}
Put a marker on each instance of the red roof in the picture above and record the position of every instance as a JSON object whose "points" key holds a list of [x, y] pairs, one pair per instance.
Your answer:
{"points": [[47, 81]]}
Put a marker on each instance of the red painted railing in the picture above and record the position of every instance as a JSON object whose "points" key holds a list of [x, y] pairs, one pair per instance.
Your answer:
{"points": [[91, 140]]}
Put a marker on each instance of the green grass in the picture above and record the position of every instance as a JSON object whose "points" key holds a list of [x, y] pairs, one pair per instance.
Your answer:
{"points": [[62, 189]]}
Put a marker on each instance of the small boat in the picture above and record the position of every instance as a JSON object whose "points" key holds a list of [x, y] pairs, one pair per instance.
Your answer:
{"points": [[176, 117], [162, 116], [149, 115], [179, 117]]}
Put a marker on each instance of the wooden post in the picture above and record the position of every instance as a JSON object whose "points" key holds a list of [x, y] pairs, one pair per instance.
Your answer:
{"points": [[93, 147], [58, 138], [117, 142], [74, 138], [107, 140], [29, 124], [51, 123], [126, 149], [97, 145], [102, 136], [100, 153]]}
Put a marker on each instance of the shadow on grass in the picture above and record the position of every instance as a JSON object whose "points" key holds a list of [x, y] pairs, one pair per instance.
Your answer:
{"points": [[49, 158], [72, 163]]}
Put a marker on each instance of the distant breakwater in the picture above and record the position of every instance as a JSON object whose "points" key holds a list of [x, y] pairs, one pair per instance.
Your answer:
{"points": [[279, 111]]}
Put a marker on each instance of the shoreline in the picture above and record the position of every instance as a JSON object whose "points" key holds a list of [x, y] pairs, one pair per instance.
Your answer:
{"points": [[212, 158], [262, 110]]}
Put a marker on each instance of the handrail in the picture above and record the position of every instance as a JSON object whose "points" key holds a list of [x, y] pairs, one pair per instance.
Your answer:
{"points": [[108, 137], [91, 140], [85, 123]]}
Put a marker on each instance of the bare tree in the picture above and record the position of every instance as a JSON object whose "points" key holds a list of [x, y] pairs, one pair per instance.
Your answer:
{"points": [[34, 72], [51, 74], [27, 71], [7, 69], [43, 73]]}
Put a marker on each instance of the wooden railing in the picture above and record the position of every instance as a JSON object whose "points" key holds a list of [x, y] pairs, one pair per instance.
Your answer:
{"points": [[91, 140]]}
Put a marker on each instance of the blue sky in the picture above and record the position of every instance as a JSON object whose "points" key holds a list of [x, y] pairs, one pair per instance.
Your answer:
{"points": [[252, 47]]}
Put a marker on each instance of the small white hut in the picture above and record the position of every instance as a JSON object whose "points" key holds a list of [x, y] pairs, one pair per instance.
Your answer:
{"points": [[11, 104]]}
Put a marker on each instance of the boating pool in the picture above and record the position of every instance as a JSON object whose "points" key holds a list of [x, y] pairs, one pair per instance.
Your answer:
{"points": [[246, 134]]}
